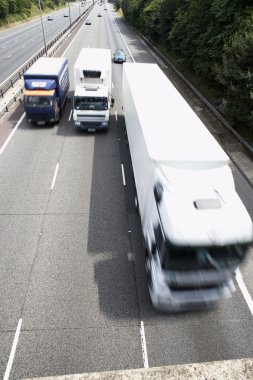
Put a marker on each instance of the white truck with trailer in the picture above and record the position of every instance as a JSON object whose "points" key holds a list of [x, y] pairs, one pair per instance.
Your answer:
{"points": [[195, 227], [92, 89]]}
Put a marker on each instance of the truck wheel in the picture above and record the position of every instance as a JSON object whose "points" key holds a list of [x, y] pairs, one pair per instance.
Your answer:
{"points": [[126, 138], [136, 203]]}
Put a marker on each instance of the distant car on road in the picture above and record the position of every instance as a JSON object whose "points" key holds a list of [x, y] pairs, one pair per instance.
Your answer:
{"points": [[119, 56], [88, 22], [65, 14], [50, 17], [99, 14]]}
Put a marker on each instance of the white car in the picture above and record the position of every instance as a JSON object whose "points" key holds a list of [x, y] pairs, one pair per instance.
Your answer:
{"points": [[50, 17]]}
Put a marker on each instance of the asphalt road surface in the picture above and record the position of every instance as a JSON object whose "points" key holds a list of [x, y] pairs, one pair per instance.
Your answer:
{"points": [[72, 274], [18, 44]]}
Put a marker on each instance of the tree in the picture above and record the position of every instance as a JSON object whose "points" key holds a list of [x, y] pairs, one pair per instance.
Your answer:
{"points": [[12, 6], [167, 12], [236, 74], [3, 9]]}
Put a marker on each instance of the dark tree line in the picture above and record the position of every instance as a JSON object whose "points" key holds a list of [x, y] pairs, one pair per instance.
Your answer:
{"points": [[212, 37]]}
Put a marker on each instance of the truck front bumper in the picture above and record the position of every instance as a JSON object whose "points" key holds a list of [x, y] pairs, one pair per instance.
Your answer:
{"points": [[186, 300], [92, 126], [41, 117]]}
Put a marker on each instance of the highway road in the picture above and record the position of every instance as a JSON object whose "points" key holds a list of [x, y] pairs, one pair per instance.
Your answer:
{"points": [[18, 44], [73, 285]]}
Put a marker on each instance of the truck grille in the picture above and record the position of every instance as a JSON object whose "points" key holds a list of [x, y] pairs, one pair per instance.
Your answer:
{"points": [[91, 116]]}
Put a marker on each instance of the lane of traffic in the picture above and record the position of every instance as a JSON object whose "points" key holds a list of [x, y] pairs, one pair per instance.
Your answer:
{"points": [[15, 56], [82, 285], [233, 319]]}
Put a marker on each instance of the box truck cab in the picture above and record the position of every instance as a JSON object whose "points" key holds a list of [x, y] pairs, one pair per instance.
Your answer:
{"points": [[46, 87], [92, 84], [195, 227]]}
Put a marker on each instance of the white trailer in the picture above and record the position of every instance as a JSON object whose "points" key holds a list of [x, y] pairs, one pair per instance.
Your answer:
{"points": [[93, 85], [196, 228]]}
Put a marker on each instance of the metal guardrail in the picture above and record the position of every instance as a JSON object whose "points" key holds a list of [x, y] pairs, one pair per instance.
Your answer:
{"points": [[10, 81]]}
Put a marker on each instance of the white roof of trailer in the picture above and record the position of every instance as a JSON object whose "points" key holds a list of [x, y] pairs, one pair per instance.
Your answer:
{"points": [[94, 59], [201, 207], [171, 129], [100, 91], [46, 66]]}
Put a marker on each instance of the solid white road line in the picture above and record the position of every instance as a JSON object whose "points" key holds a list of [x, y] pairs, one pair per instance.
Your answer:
{"points": [[116, 115], [244, 290], [124, 41], [55, 175], [144, 346], [123, 175], [13, 350], [70, 115], [11, 134]]}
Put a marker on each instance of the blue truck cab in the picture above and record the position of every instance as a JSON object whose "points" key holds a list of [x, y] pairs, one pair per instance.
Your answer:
{"points": [[46, 88]]}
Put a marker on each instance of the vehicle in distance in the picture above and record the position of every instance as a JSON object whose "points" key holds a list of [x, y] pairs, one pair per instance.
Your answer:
{"points": [[99, 14], [46, 87], [119, 56], [50, 17], [195, 227], [65, 14], [82, 4], [88, 22]]}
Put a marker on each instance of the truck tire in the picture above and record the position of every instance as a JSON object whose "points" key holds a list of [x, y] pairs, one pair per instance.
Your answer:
{"points": [[136, 203]]}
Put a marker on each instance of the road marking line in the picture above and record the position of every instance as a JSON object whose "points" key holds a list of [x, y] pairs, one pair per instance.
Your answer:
{"points": [[11, 134], [144, 346], [244, 290], [13, 350], [123, 175], [116, 115], [70, 115], [55, 175], [123, 40], [22, 30]]}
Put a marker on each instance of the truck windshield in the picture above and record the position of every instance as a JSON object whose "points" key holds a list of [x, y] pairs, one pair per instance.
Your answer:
{"points": [[39, 101], [202, 258], [92, 103]]}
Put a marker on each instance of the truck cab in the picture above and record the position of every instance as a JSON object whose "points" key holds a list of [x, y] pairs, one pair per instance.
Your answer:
{"points": [[93, 83], [46, 86], [92, 107], [193, 269], [41, 106]]}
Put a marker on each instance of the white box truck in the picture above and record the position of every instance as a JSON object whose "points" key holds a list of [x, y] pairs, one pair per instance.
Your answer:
{"points": [[195, 227], [93, 85]]}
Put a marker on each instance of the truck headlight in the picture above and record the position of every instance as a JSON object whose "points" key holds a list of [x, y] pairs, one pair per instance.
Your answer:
{"points": [[77, 123]]}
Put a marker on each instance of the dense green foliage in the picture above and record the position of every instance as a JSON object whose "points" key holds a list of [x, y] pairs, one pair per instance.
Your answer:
{"points": [[22, 8], [214, 38]]}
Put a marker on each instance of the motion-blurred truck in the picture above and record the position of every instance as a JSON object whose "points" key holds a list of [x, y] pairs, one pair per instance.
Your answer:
{"points": [[195, 227]]}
